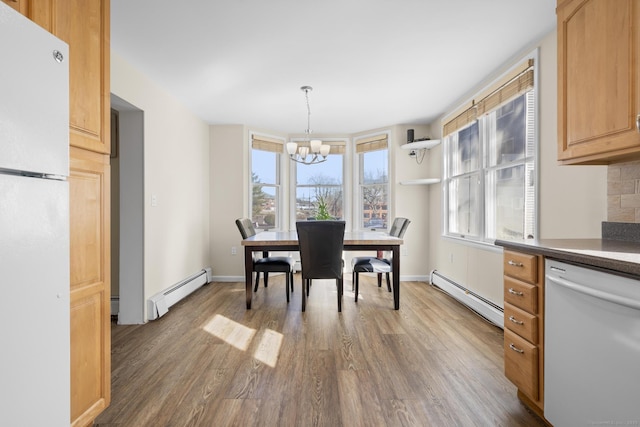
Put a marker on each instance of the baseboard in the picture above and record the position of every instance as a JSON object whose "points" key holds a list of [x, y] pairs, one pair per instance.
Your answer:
{"points": [[115, 306], [487, 309]]}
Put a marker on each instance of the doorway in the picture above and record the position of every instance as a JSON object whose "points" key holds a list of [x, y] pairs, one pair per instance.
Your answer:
{"points": [[127, 212]]}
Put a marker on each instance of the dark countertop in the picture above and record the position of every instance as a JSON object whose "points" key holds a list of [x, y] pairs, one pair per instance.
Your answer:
{"points": [[614, 256]]}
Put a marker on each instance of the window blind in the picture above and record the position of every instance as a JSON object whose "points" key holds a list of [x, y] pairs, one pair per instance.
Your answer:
{"points": [[337, 147], [265, 143], [513, 84], [373, 143]]}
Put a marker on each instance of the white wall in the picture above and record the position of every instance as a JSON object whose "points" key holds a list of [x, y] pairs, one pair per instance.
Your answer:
{"points": [[229, 198], [572, 199], [176, 171]]}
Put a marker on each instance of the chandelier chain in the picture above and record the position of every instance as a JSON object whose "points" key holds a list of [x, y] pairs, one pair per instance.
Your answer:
{"points": [[306, 94]]}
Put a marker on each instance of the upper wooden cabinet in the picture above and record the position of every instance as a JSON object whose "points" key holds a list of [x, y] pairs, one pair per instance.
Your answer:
{"points": [[84, 25], [19, 5], [598, 81]]}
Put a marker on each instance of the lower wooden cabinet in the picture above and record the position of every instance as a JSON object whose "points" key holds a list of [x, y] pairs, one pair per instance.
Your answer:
{"points": [[89, 187], [521, 363], [524, 326]]}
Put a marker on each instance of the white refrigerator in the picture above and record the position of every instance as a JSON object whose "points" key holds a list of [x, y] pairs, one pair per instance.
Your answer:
{"points": [[34, 224]]}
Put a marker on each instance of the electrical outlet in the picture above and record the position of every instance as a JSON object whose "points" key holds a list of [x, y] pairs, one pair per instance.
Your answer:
{"points": [[233, 250], [154, 200], [404, 251], [451, 257]]}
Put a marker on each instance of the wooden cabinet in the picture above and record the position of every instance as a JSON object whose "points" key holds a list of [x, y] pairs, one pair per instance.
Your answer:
{"points": [[598, 81], [84, 25], [19, 5], [524, 325], [89, 186]]}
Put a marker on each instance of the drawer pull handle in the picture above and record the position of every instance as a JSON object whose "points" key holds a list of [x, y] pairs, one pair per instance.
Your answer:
{"points": [[514, 292], [515, 264], [516, 321], [514, 348]]}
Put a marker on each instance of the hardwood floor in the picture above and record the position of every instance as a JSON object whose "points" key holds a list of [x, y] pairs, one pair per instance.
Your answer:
{"points": [[211, 362]]}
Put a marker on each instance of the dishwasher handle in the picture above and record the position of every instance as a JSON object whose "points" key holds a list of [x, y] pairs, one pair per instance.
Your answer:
{"points": [[606, 296]]}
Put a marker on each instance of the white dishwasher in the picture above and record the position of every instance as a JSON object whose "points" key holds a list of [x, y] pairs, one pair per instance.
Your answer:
{"points": [[591, 347]]}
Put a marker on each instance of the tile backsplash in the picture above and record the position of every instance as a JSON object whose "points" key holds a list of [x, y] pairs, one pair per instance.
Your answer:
{"points": [[623, 192]]}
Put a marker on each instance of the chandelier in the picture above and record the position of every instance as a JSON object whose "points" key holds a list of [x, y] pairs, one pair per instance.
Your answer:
{"points": [[315, 151]]}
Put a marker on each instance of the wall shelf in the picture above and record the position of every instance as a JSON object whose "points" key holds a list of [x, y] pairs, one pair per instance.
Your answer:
{"points": [[425, 181], [421, 145]]}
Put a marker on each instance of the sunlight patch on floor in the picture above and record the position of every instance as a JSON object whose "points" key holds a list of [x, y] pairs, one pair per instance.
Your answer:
{"points": [[269, 347], [231, 332]]}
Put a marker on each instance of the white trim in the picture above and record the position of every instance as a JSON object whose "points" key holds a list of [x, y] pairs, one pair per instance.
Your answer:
{"points": [[482, 306], [279, 176], [481, 241], [357, 166]]}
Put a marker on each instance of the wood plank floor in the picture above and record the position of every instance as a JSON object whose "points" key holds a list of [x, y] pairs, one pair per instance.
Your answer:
{"points": [[211, 362]]}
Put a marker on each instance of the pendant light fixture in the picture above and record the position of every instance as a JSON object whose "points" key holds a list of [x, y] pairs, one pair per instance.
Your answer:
{"points": [[315, 151]]}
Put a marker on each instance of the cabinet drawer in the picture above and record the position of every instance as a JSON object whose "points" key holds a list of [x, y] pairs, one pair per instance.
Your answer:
{"points": [[521, 322], [521, 266], [521, 363], [522, 295]]}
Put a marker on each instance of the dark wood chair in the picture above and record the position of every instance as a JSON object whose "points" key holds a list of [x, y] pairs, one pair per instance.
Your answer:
{"points": [[321, 244], [267, 264], [380, 264]]}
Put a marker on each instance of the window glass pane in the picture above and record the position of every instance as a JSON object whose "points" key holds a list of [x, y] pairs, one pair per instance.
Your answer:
{"points": [[264, 189], [375, 166], [507, 127], [263, 164], [512, 196], [319, 192], [374, 189], [464, 206], [464, 147]]}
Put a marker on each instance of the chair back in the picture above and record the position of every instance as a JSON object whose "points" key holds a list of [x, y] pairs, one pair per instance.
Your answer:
{"points": [[399, 226], [321, 244], [246, 227]]}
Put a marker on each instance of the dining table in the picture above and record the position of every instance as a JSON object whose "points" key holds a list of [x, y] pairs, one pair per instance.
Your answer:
{"points": [[287, 241]]}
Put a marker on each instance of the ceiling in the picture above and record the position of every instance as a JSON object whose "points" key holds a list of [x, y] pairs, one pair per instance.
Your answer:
{"points": [[371, 63]]}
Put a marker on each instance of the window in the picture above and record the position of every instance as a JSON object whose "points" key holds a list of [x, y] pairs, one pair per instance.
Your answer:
{"points": [[489, 174], [265, 182], [373, 201], [320, 187]]}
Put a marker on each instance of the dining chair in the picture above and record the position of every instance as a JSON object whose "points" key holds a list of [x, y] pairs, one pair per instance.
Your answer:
{"points": [[377, 264], [321, 244], [267, 264]]}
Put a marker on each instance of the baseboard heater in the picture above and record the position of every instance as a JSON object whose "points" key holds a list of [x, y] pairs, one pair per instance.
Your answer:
{"points": [[485, 308], [158, 305]]}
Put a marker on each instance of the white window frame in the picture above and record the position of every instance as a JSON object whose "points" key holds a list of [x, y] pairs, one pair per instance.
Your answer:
{"points": [[358, 213], [346, 184], [482, 240], [280, 219]]}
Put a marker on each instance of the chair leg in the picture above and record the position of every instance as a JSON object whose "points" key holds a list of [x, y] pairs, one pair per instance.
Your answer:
{"points": [[379, 280], [388, 283], [291, 281], [340, 283], [353, 281], [286, 287], [255, 288], [266, 279], [304, 295], [308, 285], [357, 284]]}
